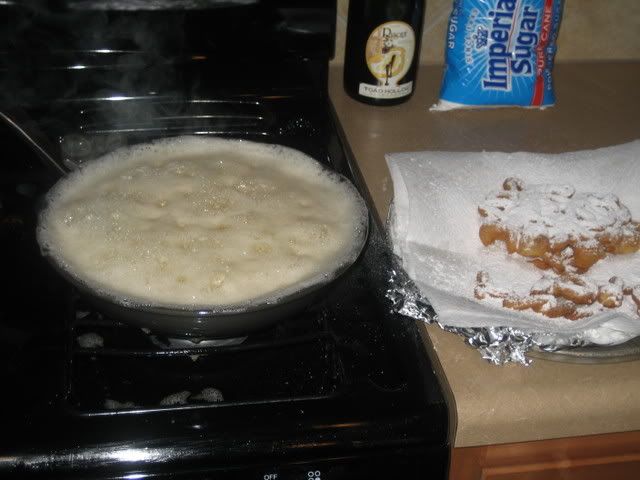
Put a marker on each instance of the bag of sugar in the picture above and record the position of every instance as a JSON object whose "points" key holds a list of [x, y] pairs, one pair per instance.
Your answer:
{"points": [[500, 53]]}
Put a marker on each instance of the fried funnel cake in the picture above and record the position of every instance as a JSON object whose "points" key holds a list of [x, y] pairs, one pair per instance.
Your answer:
{"points": [[635, 296], [557, 227], [569, 295], [611, 295]]}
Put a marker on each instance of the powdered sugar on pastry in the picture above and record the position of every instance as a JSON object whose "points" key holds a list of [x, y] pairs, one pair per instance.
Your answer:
{"points": [[570, 296], [611, 295], [557, 225]]}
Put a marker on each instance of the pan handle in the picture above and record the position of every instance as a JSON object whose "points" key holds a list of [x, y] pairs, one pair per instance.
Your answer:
{"points": [[27, 129]]}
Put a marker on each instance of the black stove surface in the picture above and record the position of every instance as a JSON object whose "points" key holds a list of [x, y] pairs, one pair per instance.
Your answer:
{"points": [[88, 395], [343, 389]]}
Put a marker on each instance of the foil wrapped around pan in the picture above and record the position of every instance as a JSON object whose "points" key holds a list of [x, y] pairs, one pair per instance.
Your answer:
{"points": [[501, 345]]}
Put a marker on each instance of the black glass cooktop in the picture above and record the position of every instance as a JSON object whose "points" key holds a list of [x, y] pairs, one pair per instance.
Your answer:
{"points": [[343, 389], [343, 381]]}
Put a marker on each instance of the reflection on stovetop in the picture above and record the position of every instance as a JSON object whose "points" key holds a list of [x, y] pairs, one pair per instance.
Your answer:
{"points": [[102, 124], [78, 130], [114, 367]]}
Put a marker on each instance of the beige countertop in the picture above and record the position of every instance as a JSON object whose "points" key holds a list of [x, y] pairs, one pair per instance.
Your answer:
{"points": [[597, 106]]}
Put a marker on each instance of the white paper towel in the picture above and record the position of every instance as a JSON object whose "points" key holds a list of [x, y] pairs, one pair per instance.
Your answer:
{"points": [[434, 225]]}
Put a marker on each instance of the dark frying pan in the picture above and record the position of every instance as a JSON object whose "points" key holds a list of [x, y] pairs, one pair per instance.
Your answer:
{"points": [[226, 321]]}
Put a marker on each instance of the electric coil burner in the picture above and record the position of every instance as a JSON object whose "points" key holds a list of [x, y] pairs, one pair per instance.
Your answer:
{"points": [[344, 389]]}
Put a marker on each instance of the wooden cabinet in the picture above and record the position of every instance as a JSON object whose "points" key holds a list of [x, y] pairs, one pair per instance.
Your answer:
{"points": [[613, 456]]}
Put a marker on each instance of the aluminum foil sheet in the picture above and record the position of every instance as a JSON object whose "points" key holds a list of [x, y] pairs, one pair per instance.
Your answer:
{"points": [[498, 345]]}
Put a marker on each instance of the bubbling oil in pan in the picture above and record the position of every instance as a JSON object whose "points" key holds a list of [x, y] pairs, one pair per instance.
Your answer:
{"points": [[194, 221]]}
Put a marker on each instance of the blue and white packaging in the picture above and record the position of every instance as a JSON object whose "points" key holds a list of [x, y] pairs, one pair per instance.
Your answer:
{"points": [[500, 53]]}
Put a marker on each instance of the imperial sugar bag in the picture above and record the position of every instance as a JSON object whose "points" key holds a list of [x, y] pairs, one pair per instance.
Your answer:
{"points": [[500, 53]]}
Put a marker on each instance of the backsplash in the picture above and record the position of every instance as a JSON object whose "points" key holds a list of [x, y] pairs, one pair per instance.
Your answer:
{"points": [[590, 30]]}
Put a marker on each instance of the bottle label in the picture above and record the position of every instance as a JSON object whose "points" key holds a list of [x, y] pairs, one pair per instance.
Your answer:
{"points": [[381, 91], [389, 53]]}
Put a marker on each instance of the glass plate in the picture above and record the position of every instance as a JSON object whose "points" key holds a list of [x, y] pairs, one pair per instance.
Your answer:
{"points": [[624, 352]]}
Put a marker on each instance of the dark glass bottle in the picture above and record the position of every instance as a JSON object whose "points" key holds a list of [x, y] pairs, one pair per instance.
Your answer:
{"points": [[382, 50]]}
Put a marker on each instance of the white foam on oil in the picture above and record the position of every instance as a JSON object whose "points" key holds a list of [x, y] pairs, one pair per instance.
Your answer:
{"points": [[202, 222]]}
